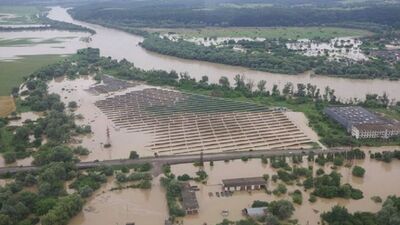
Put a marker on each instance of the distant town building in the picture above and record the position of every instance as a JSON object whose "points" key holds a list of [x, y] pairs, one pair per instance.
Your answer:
{"points": [[189, 200], [244, 184], [361, 123], [255, 212]]}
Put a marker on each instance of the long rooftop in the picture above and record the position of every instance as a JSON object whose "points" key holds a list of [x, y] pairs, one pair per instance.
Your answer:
{"points": [[244, 181]]}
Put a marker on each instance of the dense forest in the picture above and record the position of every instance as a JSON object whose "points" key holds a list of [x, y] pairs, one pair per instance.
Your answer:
{"points": [[180, 13], [281, 60]]}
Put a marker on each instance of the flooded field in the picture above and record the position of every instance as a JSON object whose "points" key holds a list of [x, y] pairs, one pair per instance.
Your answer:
{"points": [[335, 49], [121, 142], [40, 43], [121, 207], [151, 120], [185, 123]]}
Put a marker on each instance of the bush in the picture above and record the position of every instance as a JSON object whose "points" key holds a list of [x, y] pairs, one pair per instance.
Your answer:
{"points": [[358, 171], [259, 204], [312, 199], [10, 157], [184, 177], [72, 105], [376, 199], [281, 189], [81, 151], [86, 191], [297, 197], [133, 155], [320, 171]]}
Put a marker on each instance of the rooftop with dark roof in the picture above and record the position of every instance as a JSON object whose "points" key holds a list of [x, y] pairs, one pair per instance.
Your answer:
{"points": [[244, 181], [355, 114], [189, 200], [377, 127]]}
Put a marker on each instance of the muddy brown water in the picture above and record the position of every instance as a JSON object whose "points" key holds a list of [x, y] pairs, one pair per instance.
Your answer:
{"points": [[377, 174], [121, 141], [119, 45], [145, 207]]}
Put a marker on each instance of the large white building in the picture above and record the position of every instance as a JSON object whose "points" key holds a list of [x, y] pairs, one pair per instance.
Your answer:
{"points": [[362, 131]]}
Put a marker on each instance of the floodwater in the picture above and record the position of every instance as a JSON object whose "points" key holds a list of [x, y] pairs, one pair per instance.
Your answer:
{"points": [[121, 207], [42, 43], [121, 141], [119, 45], [149, 206], [24, 117], [377, 173]]}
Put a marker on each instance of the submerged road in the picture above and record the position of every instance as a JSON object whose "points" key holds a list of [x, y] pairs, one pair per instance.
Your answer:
{"points": [[157, 162]]}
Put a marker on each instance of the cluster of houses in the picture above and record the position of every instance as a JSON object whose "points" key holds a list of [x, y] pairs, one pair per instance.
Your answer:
{"points": [[191, 205], [363, 124]]}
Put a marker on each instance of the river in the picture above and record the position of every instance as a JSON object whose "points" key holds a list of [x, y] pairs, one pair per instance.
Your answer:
{"points": [[119, 45]]}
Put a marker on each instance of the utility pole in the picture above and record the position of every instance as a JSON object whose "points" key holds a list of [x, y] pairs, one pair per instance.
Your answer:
{"points": [[108, 144], [201, 159]]}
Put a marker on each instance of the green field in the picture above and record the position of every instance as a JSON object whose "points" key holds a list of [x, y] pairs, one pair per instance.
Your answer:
{"points": [[20, 14], [12, 72], [268, 32]]}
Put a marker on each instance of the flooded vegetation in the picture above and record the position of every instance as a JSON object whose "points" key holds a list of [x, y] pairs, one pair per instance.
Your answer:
{"points": [[335, 49], [107, 140]]}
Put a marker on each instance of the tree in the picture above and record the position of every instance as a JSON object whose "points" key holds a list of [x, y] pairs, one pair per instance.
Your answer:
{"points": [[358, 171], [282, 209], [133, 155], [224, 82], [338, 215], [271, 220], [86, 191], [390, 212], [65, 208], [261, 86], [288, 89]]}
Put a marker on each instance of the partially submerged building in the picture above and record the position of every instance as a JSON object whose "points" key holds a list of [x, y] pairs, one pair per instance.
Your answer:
{"points": [[384, 131], [255, 212], [361, 123], [244, 184], [189, 200]]}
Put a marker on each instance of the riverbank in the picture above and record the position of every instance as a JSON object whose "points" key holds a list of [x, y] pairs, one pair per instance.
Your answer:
{"points": [[346, 89]]}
